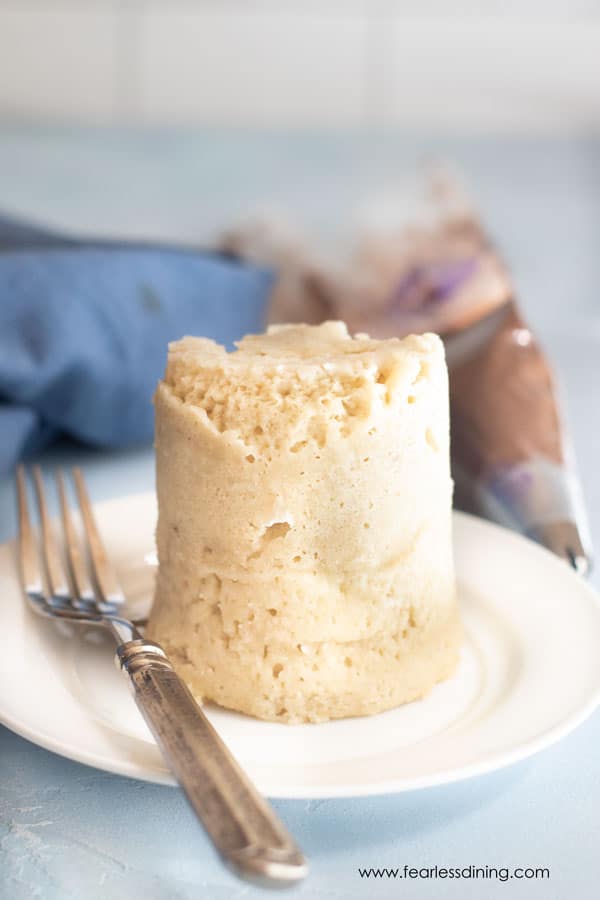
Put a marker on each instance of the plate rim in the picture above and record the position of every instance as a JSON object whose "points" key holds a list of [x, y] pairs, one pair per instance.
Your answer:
{"points": [[492, 763]]}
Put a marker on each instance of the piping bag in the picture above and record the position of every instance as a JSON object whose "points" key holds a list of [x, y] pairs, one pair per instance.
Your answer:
{"points": [[436, 270]]}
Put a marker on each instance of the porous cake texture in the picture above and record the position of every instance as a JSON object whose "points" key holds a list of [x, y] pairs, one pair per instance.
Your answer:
{"points": [[304, 531]]}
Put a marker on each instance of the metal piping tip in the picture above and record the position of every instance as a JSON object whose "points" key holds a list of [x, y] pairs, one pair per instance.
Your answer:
{"points": [[564, 539]]}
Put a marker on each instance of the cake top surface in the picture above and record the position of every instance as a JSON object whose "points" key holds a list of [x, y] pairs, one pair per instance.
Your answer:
{"points": [[297, 346], [297, 374]]}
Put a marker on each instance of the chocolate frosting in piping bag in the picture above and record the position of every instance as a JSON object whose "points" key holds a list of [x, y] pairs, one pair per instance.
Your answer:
{"points": [[510, 456]]}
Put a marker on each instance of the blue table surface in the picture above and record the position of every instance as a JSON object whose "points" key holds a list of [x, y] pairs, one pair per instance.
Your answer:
{"points": [[68, 831]]}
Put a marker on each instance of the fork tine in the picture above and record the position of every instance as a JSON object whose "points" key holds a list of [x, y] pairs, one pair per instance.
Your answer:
{"points": [[30, 568], [108, 587], [84, 592], [58, 585]]}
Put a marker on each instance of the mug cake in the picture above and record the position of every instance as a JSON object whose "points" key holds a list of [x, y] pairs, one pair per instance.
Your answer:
{"points": [[304, 528]]}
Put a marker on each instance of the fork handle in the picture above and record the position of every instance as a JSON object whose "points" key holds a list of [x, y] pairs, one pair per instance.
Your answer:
{"points": [[243, 827]]}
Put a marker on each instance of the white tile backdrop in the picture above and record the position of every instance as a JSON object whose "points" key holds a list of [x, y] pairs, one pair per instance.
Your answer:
{"points": [[517, 65]]}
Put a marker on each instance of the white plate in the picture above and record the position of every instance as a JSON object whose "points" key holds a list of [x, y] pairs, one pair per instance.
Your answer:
{"points": [[529, 673]]}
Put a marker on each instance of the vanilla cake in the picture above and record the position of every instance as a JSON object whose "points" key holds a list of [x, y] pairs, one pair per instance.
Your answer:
{"points": [[304, 530]]}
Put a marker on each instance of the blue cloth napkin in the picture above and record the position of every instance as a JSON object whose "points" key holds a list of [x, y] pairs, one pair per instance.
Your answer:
{"points": [[84, 328]]}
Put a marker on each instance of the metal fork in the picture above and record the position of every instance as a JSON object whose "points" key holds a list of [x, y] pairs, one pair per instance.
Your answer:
{"points": [[243, 827]]}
